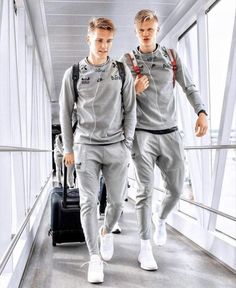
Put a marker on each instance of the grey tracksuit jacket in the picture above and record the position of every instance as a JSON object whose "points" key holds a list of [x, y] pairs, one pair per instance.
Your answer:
{"points": [[156, 106], [58, 146], [99, 90]]}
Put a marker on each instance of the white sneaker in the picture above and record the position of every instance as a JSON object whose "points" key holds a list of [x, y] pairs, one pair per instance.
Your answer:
{"points": [[95, 270], [106, 245], [160, 235], [116, 229], [146, 259]]}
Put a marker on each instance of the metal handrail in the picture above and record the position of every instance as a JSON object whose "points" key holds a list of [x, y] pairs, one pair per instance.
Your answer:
{"points": [[13, 243], [210, 147], [25, 149], [205, 207], [21, 149], [10, 249]]}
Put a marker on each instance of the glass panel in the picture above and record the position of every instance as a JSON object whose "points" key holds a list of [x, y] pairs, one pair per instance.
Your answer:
{"points": [[226, 226], [220, 27], [228, 195], [187, 49]]}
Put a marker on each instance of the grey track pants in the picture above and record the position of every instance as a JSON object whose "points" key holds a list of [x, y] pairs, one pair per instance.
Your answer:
{"points": [[90, 160], [59, 163], [166, 151]]}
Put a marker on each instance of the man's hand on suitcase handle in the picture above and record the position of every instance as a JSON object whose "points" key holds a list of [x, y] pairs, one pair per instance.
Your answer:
{"points": [[69, 159]]}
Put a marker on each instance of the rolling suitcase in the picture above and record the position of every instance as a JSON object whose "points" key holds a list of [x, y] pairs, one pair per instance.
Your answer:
{"points": [[65, 215]]}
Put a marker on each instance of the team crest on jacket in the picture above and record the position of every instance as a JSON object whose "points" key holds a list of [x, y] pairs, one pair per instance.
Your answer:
{"points": [[115, 74], [83, 68], [85, 80], [151, 59], [115, 77], [166, 66], [99, 69]]}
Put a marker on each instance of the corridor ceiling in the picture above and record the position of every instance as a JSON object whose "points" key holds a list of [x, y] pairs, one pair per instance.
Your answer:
{"points": [[62, 38]]}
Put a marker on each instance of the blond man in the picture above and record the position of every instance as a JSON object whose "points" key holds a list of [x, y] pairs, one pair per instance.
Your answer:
{"points": [[106, 113], [157, 139]]}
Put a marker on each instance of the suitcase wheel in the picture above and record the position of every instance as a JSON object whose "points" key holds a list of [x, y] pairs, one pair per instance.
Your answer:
{"points": [[54, 243], [50, 233]]}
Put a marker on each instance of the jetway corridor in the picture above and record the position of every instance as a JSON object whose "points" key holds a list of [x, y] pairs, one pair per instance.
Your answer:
{"points": [[181, 263], [39, 41]]}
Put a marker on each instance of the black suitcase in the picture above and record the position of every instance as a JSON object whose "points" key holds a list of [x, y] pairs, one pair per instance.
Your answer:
{"points": [[65, 215]]}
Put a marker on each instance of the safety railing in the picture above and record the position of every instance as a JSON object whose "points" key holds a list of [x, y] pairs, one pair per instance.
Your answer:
{"points": [[210, 147], [5, 258], [10, 249], [13, 243], [205, 207], [21, 149]]}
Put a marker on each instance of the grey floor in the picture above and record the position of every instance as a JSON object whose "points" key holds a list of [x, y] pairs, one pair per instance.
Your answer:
{"points": [[181, 263]]}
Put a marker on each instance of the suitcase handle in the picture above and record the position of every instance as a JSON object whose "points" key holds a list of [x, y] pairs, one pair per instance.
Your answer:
{"points": [[65, 186], [65, 203]]}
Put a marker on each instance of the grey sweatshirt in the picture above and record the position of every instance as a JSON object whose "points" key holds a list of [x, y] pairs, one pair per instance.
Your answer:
{"points": [[156, 106], [58, 146], [105, 116]]}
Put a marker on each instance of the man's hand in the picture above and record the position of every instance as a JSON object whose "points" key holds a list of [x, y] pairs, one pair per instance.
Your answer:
{"points": [[69, 159], [141, 83], [201, 125]]}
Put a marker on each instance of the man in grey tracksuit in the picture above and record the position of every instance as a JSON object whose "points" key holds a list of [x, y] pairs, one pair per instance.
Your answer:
{"points": [[106, 113], [58, 159], [157, 139]]}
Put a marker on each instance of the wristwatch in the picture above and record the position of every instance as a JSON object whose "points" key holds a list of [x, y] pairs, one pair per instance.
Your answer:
{"points": [[202, 111]]}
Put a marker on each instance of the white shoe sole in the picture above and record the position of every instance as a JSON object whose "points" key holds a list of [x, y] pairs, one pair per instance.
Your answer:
{"points": [[96, 280], [147, 268]]}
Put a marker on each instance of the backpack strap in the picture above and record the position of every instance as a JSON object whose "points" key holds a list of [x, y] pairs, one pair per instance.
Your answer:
{"points": [[170, 53], [74, 126], [121, 70], [75, 78], [134, 63]]}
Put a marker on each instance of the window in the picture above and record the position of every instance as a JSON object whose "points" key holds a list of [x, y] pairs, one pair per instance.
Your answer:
{"points": [[25, 122], [228, 196], [220, 28], [188, 52]]}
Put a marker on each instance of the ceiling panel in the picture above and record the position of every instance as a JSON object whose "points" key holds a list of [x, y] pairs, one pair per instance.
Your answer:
{"points": [[109, 8], [78, 20]]}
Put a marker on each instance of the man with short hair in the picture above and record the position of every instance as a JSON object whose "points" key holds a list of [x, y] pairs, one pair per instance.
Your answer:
{"points": [[106, 113], [58, 159], [157, 139]]}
